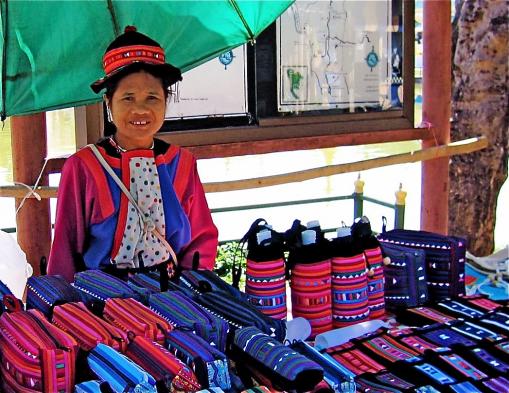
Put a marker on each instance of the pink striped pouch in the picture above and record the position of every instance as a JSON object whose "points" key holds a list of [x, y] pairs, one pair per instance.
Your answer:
{"points": [[349, 290], [266, 287], [130, 315], [86, 328], [310, 285], [36, 356]]}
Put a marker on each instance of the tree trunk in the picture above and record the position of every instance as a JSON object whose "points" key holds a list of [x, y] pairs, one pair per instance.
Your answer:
{"points": [[479, 107]]}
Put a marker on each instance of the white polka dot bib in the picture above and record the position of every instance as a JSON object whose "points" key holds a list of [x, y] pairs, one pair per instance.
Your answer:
{"points": [[138, 242]]}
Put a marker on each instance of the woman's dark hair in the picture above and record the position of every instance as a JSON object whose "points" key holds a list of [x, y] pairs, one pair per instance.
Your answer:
{"points": [[112, 83]]}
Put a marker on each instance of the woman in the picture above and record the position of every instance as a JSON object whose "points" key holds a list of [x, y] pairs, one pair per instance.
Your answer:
{"points": [[97, 225]]}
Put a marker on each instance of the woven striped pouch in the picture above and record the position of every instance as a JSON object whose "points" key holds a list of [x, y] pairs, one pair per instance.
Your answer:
{"points": [[364, 237], [36, 356], [95, 285], [86, 328], [130, 315], [349, 283], [209, 364], [183, 313], [240, 313], [145, 284], [46, 292], [121, 373], [286, 368], [265, 269], [310, 285], [170, 372]]}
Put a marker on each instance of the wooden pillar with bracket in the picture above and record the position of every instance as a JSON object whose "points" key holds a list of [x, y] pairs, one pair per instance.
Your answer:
{"points": [[436, 110], [33, 222]]}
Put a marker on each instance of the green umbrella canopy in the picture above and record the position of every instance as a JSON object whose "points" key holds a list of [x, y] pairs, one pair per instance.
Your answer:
{"points": [[52, 50]]}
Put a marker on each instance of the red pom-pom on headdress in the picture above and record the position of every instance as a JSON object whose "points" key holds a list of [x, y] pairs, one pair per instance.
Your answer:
{"points": [[130, 28]]}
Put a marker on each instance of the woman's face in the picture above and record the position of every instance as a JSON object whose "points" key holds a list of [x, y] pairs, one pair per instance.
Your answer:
{"points": [[137, 106]]}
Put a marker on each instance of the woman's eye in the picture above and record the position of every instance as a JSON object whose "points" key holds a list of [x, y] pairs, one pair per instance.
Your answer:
{"points": [[153, 97], [128, 98]]}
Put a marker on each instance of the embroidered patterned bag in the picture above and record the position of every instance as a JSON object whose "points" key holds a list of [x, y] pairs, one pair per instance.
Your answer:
{"points": [[363, 235], [265, 269], [46, 292], [286, 368], [445, 259], [35, 355], [171, 374], [121, 373], [349, 281], [309, 264], [209, 364], [405, 277], [183, 313]]}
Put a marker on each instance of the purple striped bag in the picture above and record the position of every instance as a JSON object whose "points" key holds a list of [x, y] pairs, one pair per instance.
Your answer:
{"points": [[36, 356], [86, 328]]}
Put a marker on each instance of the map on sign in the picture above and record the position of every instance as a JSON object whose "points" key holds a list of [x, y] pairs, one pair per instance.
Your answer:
{"points": [[217, 88], [334, 54]]}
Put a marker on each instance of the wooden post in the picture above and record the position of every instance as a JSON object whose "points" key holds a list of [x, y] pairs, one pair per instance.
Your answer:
{"points": [[29, 149], [436, 111], [88, 122]]}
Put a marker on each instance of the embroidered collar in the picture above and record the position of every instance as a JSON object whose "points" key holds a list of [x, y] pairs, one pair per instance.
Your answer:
{"points": [[120, 149]]}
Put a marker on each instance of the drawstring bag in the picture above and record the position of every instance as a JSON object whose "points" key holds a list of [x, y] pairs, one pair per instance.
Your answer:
{"points": [[349, 281], [265, 269], [310, 279], [362, 233]]}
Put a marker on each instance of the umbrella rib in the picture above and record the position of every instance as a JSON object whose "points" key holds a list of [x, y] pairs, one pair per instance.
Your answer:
{"points": [[111, 9], [239, 13], [3, 114]]}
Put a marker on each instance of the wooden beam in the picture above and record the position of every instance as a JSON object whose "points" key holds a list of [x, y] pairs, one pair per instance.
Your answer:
{"points": [[460, 147], [436, 110], [28, 135], [89, 122]]}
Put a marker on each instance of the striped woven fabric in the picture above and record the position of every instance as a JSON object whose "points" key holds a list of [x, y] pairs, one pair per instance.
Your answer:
{"points": [[209, 364], [170, 372], [354, 359], [97, 285], [36, 356], [121, 373], [376, 301], [240, 313], [183, 313], [130, 315], [145, 283], [310, 285], [349, 290], [206, 280], [286, 368], [44, 292], [389, 349], [266, 287], [86, 328]]}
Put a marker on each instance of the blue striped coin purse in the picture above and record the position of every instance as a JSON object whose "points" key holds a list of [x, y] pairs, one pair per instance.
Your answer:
{"points": [[122, 374]]}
